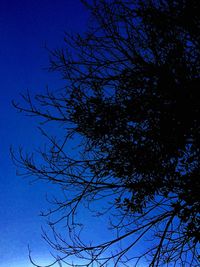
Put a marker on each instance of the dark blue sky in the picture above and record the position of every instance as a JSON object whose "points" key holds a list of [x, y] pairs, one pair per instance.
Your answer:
{"points": [[25, 26]]}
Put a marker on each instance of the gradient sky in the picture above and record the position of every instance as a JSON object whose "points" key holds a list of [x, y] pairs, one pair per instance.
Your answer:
{"points": [[25, 26]]}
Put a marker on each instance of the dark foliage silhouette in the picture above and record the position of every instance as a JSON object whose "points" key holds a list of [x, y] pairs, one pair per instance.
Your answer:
{"points": [[131, 99]]}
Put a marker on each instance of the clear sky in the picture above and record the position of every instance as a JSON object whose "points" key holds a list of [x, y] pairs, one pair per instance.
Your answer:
{"points": [[25, 26]]}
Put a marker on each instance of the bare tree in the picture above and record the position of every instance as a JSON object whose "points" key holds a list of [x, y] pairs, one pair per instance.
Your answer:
{"points": [[131, 101]]}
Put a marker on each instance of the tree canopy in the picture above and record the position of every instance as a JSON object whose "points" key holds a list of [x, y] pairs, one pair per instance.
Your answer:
{"points": [[132, 102]]}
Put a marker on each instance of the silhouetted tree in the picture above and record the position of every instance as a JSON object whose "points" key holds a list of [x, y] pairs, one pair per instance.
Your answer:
{"points": [[132, 102]]}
